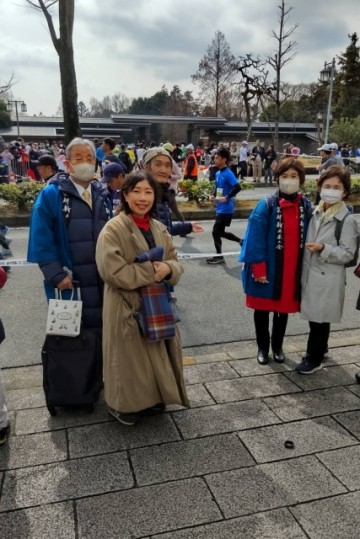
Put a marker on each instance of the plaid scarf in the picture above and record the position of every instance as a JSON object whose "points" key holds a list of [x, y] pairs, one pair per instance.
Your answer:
{"points": [[159, 319], [279, 248]]}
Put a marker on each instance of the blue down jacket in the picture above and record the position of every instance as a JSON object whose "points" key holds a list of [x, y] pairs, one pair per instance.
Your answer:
{"points": [[63, 234]]}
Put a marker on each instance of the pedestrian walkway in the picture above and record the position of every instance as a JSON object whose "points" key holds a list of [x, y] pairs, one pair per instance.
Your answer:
{"points": [[263, 452]]}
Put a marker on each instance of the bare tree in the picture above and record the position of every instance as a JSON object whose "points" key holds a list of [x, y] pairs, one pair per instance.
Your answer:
{"points": [[65, 50], [253, 85], [120, 103], [83, 110], [215, 73], [5, 87], [283, 54]]}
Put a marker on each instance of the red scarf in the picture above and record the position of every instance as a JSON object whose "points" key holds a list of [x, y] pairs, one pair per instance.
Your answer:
{"points": [[142, 222]]}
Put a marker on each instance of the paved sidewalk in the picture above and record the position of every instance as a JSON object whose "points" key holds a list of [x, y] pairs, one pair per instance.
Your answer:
{"points": [[218, 470]]}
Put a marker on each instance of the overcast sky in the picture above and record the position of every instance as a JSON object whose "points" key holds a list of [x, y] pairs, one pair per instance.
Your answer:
{"points": [[135, 47]]}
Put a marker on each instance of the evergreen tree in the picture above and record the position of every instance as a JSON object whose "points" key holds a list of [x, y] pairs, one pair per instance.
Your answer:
{"points": [[348, 81], [5, 118]]}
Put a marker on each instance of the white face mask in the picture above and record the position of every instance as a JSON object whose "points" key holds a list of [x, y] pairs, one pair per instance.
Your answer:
{"points": [[331, 196], [289, 187], [83, 171]]}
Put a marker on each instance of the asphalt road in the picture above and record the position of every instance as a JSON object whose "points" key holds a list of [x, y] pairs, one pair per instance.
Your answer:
{"points": [[210, 299]]}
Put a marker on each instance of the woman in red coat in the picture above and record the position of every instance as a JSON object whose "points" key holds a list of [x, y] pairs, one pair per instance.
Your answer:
{"points": [[272, 252]]}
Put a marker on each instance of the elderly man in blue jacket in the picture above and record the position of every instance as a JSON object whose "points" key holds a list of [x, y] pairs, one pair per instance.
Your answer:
{"points": [[66, 221]]}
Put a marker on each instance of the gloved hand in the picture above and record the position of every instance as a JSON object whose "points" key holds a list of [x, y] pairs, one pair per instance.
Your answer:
{"points": [[152, 255]]}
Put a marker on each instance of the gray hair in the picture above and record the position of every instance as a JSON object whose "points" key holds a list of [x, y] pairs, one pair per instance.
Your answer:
{"points": [[80, 142]]}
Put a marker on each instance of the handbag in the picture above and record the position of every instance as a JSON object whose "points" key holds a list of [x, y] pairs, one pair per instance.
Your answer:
{"points": [[64, 315], [357, 271], [157, 315], [273, 165], [157, 309]]}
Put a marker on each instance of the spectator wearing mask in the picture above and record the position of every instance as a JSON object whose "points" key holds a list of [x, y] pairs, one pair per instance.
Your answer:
{"points": [[66, 220], [323, 272], [272, 254]]}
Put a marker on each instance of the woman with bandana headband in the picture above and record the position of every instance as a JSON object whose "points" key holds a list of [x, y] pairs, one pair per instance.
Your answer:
{"points": [[323, 274], [272, 254]]}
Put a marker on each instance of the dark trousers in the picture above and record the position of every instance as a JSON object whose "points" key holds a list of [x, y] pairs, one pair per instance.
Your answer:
{"points": [[222, 220], [243, 169], [261, 319], [317, 343]]}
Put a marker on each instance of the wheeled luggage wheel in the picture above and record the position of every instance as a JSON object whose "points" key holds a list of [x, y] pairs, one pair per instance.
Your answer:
{"points": [[52, 410]]}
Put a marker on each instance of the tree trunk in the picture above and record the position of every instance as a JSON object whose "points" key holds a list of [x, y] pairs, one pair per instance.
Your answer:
{"points": [[69, 95], [248, 117], [67, 71]]}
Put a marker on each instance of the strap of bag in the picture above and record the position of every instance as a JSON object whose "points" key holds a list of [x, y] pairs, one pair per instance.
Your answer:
{"points": [[338, 228], [58, 294]]}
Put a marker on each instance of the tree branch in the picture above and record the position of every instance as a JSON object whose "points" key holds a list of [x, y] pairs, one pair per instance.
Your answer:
{"points": [[45, 9]]}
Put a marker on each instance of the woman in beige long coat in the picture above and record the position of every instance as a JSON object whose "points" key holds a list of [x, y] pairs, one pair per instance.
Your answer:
{"points": [[138, 375]]}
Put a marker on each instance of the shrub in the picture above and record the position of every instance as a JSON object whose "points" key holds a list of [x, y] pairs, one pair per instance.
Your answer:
{"points": [[198, 191], [22, 194]]}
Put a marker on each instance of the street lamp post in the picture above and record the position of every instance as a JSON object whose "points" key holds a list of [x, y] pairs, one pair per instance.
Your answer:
{"points": [[326, 75], [9, 108]]}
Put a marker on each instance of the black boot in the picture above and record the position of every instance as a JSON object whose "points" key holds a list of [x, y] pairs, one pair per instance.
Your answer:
{"points": [[263, 357], [279, 355]]}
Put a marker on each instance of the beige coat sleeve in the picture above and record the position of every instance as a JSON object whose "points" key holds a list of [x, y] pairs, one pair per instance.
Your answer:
{"points": [[171, 260], [113, 266]]}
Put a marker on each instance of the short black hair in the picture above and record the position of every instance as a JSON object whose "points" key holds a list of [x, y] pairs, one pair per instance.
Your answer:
{"points": [[129, 185], [224, 153], [110, 142]]}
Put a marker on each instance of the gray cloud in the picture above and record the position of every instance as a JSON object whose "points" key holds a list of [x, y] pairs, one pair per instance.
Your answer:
{"points": [[139, 46]]}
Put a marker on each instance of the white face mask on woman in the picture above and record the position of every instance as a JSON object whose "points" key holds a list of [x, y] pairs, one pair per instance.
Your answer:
{"points": [[331, 196], [83, 171], [289, 187]]}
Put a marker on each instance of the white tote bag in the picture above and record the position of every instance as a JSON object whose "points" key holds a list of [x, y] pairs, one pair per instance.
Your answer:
{"points": [[64, 315]]}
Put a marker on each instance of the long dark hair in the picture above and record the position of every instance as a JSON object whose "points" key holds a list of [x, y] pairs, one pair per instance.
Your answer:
{"points": [[131, 182]]}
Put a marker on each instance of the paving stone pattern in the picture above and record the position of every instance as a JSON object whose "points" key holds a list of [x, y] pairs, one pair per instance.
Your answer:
{"points": [[217, 470]]}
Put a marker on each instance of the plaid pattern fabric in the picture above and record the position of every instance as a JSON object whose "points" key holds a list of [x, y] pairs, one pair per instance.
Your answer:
{"points": [[158, 316]]}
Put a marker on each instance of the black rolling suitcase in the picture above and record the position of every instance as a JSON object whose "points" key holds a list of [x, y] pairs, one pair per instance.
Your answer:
{"points": [[72, 366], [72, 370]]}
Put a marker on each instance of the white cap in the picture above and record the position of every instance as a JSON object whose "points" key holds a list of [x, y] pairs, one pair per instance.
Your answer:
{"points": [[333, 146], [190, 147], [244, 142], [325, 148]]}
